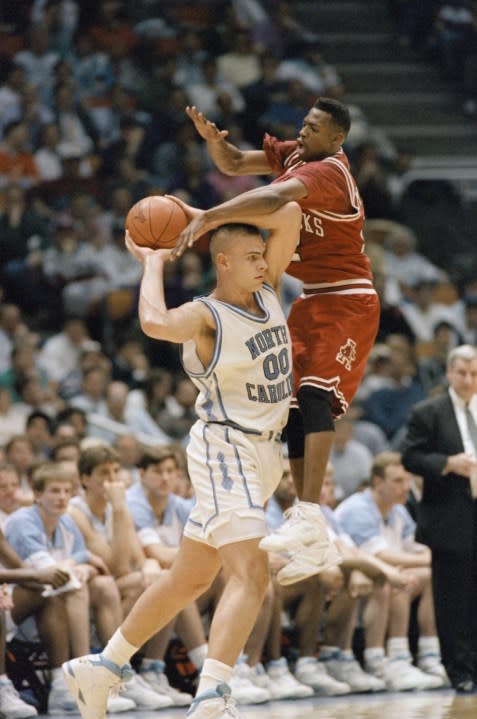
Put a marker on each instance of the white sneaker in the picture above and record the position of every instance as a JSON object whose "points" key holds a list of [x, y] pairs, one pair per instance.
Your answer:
{"points": [[282, 683], [216, 704], [310, 560], [244, 691], [90, 680], [12, 705], [400, 675], [304, 524], [310, 671], [142, 694], [348, 670], [60, 700], [117, 704], [432, 664], [155, 676]]}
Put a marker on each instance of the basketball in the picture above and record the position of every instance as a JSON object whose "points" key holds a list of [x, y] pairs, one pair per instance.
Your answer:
{"points": [[156, 222]]}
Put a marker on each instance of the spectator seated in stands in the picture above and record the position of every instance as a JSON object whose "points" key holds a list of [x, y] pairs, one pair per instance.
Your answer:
{"points": [[432, 366], [9, 491], [21, 601], [379, 524], [60, 354], [19, 454], [404, 265], [38, 429], [367, 584], [350, 458], [115, 418], [306, 600], [44, 536], [102, 515], [24, 240], [159, 517], [389, 406]]}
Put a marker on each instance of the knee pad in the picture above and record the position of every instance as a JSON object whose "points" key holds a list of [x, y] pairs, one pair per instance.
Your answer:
{"points": [[315, 408], [295, 435]]}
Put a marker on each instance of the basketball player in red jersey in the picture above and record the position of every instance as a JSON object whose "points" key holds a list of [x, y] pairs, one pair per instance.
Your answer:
{"points": [[333, 324]]}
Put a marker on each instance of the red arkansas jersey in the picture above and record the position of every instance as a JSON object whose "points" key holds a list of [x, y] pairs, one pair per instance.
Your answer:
{"points": [[331, 247]]}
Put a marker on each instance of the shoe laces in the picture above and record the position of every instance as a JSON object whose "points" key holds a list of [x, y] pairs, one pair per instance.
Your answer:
{"points": [[230, 706], [295, 513], [127, 673]]}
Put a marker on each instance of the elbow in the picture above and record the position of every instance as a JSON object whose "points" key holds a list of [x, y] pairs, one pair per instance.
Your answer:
{"points": [[152, 326]]}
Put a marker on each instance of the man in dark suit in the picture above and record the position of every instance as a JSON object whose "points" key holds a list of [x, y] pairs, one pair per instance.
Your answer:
{"points": [[441, 446]]}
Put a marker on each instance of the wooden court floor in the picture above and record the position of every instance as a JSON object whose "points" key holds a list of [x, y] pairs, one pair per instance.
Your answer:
{"points": [[439, 704]]}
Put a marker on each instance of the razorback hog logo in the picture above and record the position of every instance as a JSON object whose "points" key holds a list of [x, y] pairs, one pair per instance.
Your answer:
{"points": [[347, 354]]}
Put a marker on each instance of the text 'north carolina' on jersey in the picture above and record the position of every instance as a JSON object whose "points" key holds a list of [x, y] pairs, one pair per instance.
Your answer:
{"points": [[248, 383], [331, 247]]}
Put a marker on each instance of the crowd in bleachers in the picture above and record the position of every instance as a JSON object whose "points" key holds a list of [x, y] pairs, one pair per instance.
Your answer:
{"points": [[92, 98]]}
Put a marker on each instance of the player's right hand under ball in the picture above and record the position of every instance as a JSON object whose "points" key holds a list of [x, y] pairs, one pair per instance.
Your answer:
{"points": [[141, 253]]}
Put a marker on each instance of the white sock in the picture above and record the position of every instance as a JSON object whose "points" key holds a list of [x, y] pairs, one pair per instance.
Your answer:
{"points": [[198, 655], [213, 673], [397, 647], [373, 654], [346, 653], [428, 645], [118, 649], [327, 651]]}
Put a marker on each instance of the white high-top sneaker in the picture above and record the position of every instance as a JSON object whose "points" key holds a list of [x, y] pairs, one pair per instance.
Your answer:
{"points": [[12, 705], [400, 675], [216, 704], [90, 680], [283, 684], [304, 524], [310, 671], [155, 676], [143, 695], [431, 664], [347, 669], [308, 561], [244, 690]]}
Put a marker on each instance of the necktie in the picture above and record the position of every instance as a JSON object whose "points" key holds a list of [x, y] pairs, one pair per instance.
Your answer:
{"points": [[472, 427]]}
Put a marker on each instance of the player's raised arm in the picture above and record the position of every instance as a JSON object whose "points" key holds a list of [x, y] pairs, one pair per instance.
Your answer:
{"points": [[229, 159], [157, 321], [284, 226]]}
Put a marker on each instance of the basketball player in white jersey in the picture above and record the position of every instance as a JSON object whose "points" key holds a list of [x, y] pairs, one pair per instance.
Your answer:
{"points": [[237, 350]]}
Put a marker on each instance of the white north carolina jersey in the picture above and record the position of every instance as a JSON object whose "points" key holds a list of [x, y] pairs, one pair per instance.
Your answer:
{"points": [[248, 383]]}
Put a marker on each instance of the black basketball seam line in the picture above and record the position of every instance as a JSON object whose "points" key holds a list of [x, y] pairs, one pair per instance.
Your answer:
{"points": [[174, 210]]}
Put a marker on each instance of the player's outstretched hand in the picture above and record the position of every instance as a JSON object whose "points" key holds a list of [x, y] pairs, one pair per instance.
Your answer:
{"points": [[207, 130], [141, 253]]}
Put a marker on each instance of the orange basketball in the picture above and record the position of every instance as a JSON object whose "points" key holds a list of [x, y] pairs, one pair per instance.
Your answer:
{"points": [[156, 222]]}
